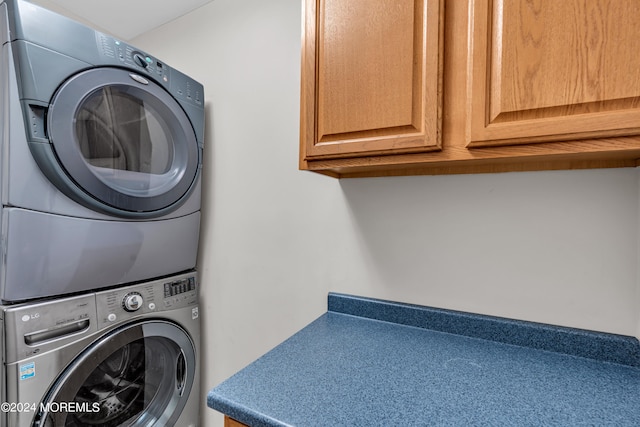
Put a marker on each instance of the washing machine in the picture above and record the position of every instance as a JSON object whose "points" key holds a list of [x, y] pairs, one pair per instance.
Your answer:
{"points": [[100, 159], [123, 357]]}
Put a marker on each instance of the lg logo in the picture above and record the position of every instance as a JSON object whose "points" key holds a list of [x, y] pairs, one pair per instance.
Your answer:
{"points": [[28, 317]]}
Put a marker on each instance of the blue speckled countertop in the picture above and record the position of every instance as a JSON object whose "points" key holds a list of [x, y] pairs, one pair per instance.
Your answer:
{"points": [[370, 363]]}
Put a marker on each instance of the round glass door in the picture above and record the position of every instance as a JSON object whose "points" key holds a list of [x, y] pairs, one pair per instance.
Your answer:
{"points": [[123, 140], [139, 375]]}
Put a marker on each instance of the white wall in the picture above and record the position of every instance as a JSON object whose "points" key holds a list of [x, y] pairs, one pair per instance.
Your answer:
{"points": [[556, 247]]}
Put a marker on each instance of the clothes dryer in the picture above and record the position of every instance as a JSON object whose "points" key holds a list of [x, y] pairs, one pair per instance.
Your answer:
{"points": [[123, 357], [100, 150]]}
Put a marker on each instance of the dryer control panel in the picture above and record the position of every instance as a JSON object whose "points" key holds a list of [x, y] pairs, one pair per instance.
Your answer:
{"points": [[120, 304], [184, 88]]}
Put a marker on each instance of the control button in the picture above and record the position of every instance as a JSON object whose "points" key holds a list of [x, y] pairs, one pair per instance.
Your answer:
{"points": [[111, 317], [140, 60], [132, 301]]}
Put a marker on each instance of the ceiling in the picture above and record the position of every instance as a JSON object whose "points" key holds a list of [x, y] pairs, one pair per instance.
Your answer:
{"points": [[124, 19]]}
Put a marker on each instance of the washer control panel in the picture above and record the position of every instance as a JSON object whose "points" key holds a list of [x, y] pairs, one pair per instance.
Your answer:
{"points": [[120, 304]]}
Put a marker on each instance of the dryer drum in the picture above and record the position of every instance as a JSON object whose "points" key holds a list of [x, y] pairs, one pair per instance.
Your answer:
{"points": [[140, 374]]}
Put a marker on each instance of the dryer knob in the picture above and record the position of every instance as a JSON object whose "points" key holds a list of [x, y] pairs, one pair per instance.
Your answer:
{"points": [[140, 60], [132, 301]]}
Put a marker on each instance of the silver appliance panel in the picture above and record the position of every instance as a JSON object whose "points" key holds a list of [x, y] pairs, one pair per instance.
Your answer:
{"points": [[49, 345]]}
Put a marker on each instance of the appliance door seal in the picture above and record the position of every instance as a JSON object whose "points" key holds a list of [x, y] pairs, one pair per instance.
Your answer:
{"points": [[119, 144], [138, 374]]}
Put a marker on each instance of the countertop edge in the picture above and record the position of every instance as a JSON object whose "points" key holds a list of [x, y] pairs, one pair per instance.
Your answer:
{"points": [[240, 412]]}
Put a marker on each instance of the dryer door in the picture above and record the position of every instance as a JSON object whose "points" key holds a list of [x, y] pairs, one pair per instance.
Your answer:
{"points": [[124, 143], [137, 375]]}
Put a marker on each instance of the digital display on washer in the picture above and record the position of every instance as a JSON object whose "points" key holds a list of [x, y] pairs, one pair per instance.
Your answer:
{"points": [[179, 287]]}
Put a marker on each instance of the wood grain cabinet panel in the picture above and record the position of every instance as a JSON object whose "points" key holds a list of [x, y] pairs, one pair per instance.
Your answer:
{"points": [[549, 70], [407, 87], [371, 77], [230, 422]]}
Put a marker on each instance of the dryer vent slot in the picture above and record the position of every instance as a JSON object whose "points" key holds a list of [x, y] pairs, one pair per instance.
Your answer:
{"points": [[36, 117], [53, 333]]}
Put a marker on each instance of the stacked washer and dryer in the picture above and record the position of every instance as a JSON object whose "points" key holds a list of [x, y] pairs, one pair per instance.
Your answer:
{"points": [[100, 162]]}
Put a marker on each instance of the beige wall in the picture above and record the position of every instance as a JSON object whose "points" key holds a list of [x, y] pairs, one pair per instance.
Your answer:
{"points": [[556, 247], [55, 7]]}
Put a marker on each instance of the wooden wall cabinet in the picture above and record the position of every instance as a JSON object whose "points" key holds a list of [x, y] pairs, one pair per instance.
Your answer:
{"points": [[371, 77], [399, 87], [230, 422], [554, 70]]}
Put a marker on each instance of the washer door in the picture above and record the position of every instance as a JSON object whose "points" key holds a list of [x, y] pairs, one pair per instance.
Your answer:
{"points": [[124, 141], [137, 375]]}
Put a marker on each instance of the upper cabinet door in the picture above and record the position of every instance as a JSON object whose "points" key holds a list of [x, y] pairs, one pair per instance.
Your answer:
{"points": [[371, 77], [551, 70]]}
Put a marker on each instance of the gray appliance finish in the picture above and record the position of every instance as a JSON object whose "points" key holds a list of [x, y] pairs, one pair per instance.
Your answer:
{"points": [[100, 159], [123, 357]]}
